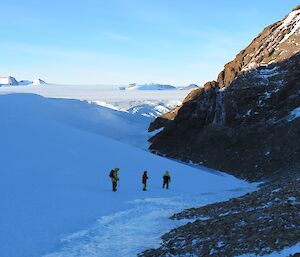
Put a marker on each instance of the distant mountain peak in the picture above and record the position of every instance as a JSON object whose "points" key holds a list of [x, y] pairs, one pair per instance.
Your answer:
{"points": [[38, 82], [151, 86], [8, 81], [11, 81], [189, 87]]}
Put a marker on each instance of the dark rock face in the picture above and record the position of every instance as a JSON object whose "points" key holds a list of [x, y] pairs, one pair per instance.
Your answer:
{"points": [[258, 223], [243, 123]]}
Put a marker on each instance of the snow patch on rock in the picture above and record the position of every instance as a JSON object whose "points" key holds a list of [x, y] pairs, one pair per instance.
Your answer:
{"points": [[294, 114]]}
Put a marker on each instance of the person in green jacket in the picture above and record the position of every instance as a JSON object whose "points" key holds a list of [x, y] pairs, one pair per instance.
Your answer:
{"points": [[167, 179], [114, 175]]}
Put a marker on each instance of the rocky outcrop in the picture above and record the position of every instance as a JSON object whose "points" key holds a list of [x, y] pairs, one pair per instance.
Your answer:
{"points": [[258, 223], [243, 123], [276, 43]]}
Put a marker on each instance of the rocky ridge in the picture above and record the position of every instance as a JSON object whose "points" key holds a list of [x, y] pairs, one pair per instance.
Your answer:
{"points": [[246, 113], [246, 123]]}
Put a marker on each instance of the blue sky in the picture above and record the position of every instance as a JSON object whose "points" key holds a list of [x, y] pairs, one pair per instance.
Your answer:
{"points": [[123, 41]]}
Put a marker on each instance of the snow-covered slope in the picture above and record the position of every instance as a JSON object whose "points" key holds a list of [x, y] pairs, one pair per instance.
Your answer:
{"points": [[104, 121], [54, 181]]}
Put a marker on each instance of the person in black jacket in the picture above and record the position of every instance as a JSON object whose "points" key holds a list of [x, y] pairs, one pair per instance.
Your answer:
{"points": [[167, 179], [144, 181]]}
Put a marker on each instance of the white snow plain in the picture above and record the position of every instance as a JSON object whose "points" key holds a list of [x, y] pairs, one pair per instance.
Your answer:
{"points": [[149, 103], [104, 93], [56, 197]]}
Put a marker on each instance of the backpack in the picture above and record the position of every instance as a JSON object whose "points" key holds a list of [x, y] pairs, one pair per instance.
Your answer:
{"points": [[111, 174], [166, 178]]}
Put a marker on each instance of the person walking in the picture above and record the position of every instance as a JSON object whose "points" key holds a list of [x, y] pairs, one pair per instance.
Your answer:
{"points": [[144, 180], [114, 175], [166, 179]]}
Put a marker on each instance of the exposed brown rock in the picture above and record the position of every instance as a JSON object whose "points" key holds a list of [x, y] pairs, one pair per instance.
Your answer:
{"points": [[240, 123]]}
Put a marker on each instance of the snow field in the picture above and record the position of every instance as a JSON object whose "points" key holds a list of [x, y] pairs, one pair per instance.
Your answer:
{"points": [[55, 159]]}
